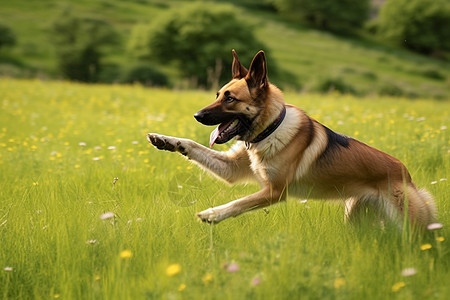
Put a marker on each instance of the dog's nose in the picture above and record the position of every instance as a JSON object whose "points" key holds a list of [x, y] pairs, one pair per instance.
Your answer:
{"points": [[199, 116]]}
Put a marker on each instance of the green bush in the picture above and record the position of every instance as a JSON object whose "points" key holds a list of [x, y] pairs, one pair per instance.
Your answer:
{"points": [[146, 75], [79, 44], [420, 25], [7, 36], [330, 84], [198, 38], [332, 15]]}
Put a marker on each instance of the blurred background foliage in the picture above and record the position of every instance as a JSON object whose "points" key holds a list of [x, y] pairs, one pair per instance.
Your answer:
{"points": [[362, 47]]}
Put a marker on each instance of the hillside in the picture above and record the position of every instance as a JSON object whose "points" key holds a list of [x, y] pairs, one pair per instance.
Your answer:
{"points": [[307, 59]]}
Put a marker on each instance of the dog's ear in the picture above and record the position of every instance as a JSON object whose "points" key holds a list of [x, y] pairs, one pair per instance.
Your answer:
{"points": [[257, 73], [237, 70]]}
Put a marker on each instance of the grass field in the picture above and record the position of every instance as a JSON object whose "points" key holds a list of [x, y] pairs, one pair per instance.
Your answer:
{"points": [[70, 230]]}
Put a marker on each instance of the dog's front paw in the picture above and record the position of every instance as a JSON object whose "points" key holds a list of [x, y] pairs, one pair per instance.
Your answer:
{"points": [[168, 143], [208, 216]]}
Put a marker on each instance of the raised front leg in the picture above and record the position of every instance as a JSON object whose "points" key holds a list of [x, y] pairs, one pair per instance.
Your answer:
{"points": [[231, 166], [264, 197]]}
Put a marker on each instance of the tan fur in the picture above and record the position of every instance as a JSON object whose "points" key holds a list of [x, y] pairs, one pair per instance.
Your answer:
{"points": [[301, 158]]}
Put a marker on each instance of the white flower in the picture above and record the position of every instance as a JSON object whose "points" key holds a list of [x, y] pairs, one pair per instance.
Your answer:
{"points": [[82, 144], [107, 215], [112, 148], [434, 226], [135, 142], [8, 269], [91, 242], [409, 272]]}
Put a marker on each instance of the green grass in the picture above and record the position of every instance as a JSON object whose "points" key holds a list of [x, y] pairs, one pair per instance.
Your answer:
{"points": [[307, 58], [62, 145]]}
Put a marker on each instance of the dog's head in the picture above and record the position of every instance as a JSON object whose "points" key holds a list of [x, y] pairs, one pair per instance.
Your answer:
{"points": [[239, 103]]}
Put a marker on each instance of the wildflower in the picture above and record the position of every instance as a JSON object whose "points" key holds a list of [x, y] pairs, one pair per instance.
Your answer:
{"points": [[256, 281], [96, 158], [8, 269], [433, 182], [82, 144], [425, 247], [207, 278], [125, 254], [339, 282], [396, 287], [97, 277], [35, 183], [173, 270], [440, 239], [135, 142], [434, 226], [91, 242], [232, 268], [182, 287], [56, 296], [111, 148], [107, 215], [409, 272]]}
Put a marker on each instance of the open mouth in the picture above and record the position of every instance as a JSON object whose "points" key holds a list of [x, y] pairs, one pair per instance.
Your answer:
{"points": [[226, 131]]}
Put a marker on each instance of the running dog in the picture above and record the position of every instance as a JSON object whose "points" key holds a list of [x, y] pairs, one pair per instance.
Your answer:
{"points": [[289, 153]]}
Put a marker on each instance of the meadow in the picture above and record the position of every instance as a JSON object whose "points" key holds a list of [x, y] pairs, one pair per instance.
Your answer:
{"points": [[89, 210]]}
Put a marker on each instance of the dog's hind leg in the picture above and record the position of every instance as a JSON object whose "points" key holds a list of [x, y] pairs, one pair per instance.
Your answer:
{"points": [[264, 197], [356, 209], [369, 207]]}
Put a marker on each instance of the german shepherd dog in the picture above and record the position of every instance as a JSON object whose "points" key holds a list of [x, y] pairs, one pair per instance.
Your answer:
{"points": [[287, 152]]}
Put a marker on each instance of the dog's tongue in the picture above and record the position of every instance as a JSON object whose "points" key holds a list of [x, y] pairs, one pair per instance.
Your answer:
{"points": [[213, 137], [216, 132]]}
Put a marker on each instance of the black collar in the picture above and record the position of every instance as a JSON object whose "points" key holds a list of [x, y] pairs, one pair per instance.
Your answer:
{"points": [[271, 128]]}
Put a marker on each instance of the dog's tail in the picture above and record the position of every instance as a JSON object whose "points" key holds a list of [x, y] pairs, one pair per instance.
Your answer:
{"points": [[422, 208]]}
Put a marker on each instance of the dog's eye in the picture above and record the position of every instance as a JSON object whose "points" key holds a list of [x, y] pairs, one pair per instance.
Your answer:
{"points": [[229, 99]]}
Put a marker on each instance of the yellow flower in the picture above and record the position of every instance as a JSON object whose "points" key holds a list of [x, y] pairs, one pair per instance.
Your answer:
{"points": [[339, 282], [440, 239], [396, 287], [35, 183], [173, 270], [182, 287], [207, 278], [425, 247], [126, 254]]}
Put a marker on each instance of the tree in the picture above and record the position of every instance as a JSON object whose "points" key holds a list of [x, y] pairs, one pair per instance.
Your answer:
{"points": [[7, 36], [80, 43], [420, 25], [198, 38], [332, 15]]}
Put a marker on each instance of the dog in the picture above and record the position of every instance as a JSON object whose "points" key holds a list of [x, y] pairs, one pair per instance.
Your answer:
{"points": [[289, 153]]}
